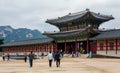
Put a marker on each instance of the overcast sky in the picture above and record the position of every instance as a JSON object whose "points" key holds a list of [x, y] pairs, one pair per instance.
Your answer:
{"points": [[32, 14]]}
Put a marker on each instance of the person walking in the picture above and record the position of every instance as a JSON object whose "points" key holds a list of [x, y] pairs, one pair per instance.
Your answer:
{"points": [[90, 54], [57, 58], [3, 56], [42, 55], [50, 58], [8, 57], [25, 57], [31, 57]]}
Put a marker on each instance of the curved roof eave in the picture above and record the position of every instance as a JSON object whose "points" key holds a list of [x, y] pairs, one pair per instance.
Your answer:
{"points": [[79, 15], [102, 17]]}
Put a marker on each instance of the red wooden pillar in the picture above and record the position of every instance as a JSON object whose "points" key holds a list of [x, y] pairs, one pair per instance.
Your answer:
{"points": [[52, 47], [56, 47], [77, 26], [39, 48], [76, 44], [116, 46], [106, 46], [46, 47], [65, 46], [22, 49], [87, 45]]}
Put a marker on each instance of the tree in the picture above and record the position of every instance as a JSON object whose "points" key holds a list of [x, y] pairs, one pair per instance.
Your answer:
{"points": [[1, 42]]}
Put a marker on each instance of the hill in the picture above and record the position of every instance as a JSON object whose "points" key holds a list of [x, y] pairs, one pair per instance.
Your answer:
{"points": [[10, 34]]}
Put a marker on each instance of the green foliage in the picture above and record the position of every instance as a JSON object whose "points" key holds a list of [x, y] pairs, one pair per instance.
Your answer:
{"points": [[1, 42]]}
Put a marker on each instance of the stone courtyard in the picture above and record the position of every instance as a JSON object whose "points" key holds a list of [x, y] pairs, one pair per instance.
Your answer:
{"points": [[68, 65]]}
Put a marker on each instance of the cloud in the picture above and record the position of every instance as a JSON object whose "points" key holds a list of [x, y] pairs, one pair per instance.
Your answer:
{"points": [[33, 13]]}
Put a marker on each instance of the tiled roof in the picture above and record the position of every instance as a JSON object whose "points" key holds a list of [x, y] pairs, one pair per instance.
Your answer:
{"points": [[29, 42], [74, 16], [108, 34], [79, 33], [65, 34]]}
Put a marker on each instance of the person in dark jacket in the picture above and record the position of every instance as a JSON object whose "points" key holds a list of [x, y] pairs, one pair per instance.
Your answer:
{"points": [[57, 58], [31, 57], [3, 56], [8, 56]]}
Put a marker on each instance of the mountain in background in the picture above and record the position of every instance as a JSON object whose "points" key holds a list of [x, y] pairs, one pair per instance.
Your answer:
{"points": [[10, 34]]}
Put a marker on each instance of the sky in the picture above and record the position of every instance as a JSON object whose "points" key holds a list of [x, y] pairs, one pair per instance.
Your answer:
{"points": [[32, 14]]}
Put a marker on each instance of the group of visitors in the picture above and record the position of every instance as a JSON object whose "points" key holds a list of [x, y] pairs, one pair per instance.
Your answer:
{"points": [[75, 53], [54, 56], [6, 57], [51, 56]]}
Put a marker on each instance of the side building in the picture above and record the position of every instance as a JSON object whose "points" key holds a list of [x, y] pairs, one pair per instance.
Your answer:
{"points": [[38, 46], [108, 42]]}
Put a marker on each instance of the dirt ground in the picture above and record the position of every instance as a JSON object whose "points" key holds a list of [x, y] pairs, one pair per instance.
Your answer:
{"points": [[68, 65]]}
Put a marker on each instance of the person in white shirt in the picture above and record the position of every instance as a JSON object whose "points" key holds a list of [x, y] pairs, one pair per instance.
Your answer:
{"points": [[50, 58]]}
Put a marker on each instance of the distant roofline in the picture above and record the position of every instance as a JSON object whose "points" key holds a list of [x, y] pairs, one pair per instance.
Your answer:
{"points": [[28, 42]]}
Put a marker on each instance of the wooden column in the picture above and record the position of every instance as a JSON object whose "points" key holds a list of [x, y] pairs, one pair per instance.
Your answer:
{"points": [[47, 47], [106, 46], [116, 45], [76, 44], [52, 47], [65, 46], [87, 45], [55, 47], [77, 26]]}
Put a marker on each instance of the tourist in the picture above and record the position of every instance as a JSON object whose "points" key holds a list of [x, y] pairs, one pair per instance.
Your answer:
{"points": [[42, 55], [57, 58], [50, 58], [61, 53], [83, 51], [25, 57], [90, 54], [31, 57], [3, 56], [8, 57], [72, 54], [77, 53]]}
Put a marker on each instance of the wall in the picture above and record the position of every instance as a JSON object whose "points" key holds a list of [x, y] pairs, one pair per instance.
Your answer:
{"points": [[108, 49]]}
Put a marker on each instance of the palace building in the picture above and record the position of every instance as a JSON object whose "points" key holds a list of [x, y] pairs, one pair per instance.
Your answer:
{"points": [[78, 31]]}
